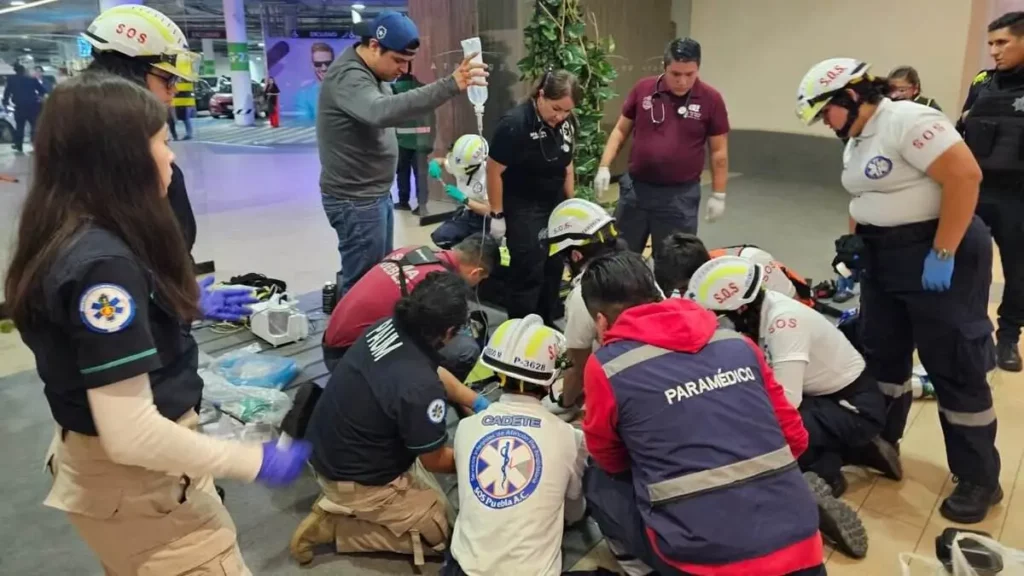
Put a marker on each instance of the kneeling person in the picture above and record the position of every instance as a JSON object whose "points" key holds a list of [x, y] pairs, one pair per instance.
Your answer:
{"points": [[379, 424], [467, 163], [694, 442], [520, 467]]}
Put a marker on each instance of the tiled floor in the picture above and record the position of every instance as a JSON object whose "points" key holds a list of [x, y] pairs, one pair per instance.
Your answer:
{"points": [[258, 210]]}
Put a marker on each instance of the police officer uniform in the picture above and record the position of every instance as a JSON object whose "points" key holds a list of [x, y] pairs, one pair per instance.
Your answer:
{"points": [[520, 476], [841, 405], [896, 207], [535, 156], [99, 321], [383, 407], [993, 128]]}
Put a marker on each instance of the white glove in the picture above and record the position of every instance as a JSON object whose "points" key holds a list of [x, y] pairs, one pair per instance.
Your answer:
{"points": [[498, 228], [602, 180], [716, 207]]}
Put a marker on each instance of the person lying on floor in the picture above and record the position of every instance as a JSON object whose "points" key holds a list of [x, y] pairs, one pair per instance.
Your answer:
{"points": [[693, 442], [380, 428], [520, 467], [467, 163], [824, 377]]}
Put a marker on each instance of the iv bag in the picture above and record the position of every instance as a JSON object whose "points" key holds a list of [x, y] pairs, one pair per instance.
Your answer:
{"points": [[477, 94]]}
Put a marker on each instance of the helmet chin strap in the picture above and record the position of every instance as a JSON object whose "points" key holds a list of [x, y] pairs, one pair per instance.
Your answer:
{"points": [[853, 111]]}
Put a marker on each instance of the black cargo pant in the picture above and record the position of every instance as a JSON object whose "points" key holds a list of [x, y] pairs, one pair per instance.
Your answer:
{"points": [[532, 279], [951, 331], [840, 424], [1002, 210]]}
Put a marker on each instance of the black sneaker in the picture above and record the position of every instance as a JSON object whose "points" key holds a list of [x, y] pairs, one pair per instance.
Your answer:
{"points": [[969, 503], [879, 455], [838, 523], [402, 206], [1008, 356]]}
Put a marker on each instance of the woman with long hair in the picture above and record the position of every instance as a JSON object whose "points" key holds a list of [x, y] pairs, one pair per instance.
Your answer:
{"points": [[101, 288], [529, 171]]}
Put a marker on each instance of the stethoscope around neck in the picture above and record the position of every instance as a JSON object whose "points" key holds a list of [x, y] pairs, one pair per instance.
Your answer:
{"points": [[657, 94]]}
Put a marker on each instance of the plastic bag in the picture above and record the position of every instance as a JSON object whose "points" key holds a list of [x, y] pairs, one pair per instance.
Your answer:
{"points": [[244, 367], [242, 412], [918, 565]]}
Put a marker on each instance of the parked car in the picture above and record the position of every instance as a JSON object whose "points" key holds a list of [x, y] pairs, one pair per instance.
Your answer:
{"points": [[6, 127], [222, 102], [203, 92]]}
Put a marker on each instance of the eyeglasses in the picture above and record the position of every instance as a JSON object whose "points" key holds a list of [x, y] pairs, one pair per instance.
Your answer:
{"points": [[170, 81], [324, 65]]}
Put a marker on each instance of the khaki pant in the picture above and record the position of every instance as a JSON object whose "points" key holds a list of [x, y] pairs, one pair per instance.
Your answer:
{"points": [[138, 521], [403, 516]]}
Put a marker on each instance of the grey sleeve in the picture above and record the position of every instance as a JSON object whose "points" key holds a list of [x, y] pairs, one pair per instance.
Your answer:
{"points": [[358, 96]]}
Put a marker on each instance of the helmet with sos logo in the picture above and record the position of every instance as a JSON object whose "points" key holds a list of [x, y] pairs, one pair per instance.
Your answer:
{"points": [[526, 349], [726, 283], [823, 81], [145, 34], [775, 278]]}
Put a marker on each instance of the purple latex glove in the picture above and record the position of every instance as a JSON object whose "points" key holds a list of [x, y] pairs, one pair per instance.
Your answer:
{"points": [[229, 304], [282, 465]]}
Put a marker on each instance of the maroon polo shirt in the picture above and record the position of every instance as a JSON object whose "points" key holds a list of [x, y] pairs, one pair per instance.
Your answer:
{"points": [[670, 147]]}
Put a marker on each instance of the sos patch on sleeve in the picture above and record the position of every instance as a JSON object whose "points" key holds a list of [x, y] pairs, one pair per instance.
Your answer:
{"points": [[106, 308]]}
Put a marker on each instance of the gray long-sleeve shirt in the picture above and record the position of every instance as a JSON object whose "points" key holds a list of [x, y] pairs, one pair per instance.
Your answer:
{"points": [[355, 125]]}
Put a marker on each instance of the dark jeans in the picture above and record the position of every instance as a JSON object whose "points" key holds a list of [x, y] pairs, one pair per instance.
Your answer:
{"points": [[407, 166], [950, 330], [1003, 212], [21, 118], [533, 280], [649, 210], [365, 229], [464, 223]]}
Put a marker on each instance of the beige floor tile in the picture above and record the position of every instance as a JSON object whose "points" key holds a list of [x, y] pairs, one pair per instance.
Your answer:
{"points": [[887, 538], [1012, 533], [598, 557], [860, 482]]}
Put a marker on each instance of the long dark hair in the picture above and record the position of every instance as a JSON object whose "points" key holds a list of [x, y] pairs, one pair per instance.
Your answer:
{"points": [[93, 165], [558, 84], [749, 320]]}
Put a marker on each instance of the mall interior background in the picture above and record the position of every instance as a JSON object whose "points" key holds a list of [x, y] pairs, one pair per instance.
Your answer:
{"points": [[255, 193]]}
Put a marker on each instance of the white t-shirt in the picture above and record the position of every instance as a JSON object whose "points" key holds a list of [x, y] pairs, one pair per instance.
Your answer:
{"points": [[885, 167], [794, 332], [520, 474], [580, 329], [475, 186]]}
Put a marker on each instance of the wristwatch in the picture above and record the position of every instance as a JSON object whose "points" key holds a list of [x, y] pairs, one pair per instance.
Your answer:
{"points": [[497, 215], [942, 253]]}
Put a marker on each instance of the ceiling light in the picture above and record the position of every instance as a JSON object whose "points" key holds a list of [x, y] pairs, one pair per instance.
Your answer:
{"points": [[24, 5], [27, 49], [17, 2], [358, 6], [260, 44]]}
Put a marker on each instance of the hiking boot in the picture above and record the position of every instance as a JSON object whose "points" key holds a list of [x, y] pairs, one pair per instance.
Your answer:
{"points": [[969, 503], [882, 456], [838, 523], [1008, 356], [316, 529], [838, 484]]}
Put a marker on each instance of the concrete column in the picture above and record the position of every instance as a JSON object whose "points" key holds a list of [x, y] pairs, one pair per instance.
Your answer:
{"points": [[238, 56], [209, 67], [108, 4]]}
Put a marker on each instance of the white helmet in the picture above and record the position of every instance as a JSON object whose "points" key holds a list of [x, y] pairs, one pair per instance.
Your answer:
{"points": [[775, 278], [469, 150], [822, 82], [141, 32], [725, 283], [576, 222], [525, 349]]}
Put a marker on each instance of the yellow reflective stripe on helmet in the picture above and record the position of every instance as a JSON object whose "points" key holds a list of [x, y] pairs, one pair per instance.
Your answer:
{"points": [[574, 212], [499, 335], [716, 275], [474, 145], [534, 343]]}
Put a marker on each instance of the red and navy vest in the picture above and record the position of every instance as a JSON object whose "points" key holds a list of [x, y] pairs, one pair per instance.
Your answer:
{"points": [[715, 480]]}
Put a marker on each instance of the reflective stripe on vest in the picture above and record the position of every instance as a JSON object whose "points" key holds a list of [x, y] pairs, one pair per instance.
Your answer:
{"points": [[649, 352], [715, 478], [418, 130]]}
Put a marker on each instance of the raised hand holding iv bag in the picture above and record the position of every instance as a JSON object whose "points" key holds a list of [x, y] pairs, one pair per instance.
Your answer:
{"points": [[477, 92]]}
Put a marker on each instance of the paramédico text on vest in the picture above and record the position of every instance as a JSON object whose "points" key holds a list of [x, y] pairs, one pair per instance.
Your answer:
{"points": [[720, 379]]}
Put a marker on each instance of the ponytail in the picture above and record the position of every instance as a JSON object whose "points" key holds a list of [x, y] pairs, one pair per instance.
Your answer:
{"points": [[557, 84]]}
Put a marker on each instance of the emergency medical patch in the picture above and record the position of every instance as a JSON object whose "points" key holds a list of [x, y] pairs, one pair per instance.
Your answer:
{"points": [[106, 308], [878, 168], [981, 77], [647, 103], [505, 468], [436, 411]]}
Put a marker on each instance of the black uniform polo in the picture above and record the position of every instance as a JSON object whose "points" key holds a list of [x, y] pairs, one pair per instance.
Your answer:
{"points": [[99, 321], [383, 406], [535, 156], [177, 196]]}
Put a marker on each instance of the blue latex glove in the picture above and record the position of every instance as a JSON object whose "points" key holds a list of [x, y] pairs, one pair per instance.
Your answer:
{"points": [[455, 193], [434, 169], [229, 304], [283, 465], [481, 403], [938, 274]]}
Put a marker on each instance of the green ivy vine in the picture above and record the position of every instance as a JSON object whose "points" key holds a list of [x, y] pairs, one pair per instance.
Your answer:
{"points": [[556, 38]]}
